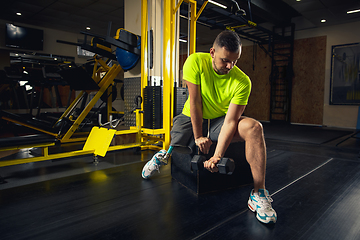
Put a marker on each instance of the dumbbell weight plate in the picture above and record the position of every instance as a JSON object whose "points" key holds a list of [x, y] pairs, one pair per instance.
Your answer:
{"points": [[197, 162], [226, 166]]}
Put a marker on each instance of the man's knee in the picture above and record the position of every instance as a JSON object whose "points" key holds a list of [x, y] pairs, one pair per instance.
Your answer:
{"points": [[256, 126], [250, 127]]}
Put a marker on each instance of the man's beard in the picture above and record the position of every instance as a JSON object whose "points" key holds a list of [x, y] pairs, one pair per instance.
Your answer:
{"points": [[221, 71]]}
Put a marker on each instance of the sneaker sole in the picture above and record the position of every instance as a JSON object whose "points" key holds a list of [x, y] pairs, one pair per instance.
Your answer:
{"points": [[266, 221], [271, 220]]}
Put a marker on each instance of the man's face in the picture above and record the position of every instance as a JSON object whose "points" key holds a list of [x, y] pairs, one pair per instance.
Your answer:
{"points": [[223, 60]]}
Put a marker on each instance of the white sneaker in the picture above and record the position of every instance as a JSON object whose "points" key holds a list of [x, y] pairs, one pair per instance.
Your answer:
{"points": [[154, 164], [260, 203]]}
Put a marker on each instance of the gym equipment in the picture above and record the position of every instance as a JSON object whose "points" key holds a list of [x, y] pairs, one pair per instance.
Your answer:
{"points": [[97, 143], [180, 96], [225, 166], [68, 128], [105, 70], [153, 107], [99, 140], [79, 79], [52, 80], [17, 92], [137, 102], [127, 59]]}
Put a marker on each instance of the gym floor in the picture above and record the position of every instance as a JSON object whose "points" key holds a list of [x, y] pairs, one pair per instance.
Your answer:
{"points": [[315, 185]]}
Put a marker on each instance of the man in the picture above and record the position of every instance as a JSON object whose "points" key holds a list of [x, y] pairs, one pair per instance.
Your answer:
{"points": [[218, 95]]}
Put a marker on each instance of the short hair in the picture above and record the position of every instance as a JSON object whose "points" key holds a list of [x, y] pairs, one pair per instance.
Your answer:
{"points": [[228, 39]]}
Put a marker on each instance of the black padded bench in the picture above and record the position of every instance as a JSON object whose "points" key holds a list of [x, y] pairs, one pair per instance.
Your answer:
{"points": [[25, 141], [20, 142], [204, 181], [27, 121], [30, 141]]}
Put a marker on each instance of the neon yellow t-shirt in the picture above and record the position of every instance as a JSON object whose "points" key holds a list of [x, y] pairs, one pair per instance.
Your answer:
{"points": [[217, 91]]}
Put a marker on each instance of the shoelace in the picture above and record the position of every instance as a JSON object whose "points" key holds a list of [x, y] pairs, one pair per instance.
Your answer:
{"points": [[157, 167], [266, 201]]}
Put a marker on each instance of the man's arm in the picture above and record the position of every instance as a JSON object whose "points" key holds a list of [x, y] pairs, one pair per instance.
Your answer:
{"points": [[196, 114], [227, 132]]}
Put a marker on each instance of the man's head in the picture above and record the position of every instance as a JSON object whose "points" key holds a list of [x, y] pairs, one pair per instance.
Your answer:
{"points": [[225, 52]]}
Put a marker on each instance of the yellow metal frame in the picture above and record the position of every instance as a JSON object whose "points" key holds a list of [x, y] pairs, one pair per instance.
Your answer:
{"points": [[45, 157], [42, 145], [106, 81], [169, 45], [45, 154]]}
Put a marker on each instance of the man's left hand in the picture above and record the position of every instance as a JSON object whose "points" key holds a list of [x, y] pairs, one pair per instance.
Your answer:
{"points": [[211, 164]]}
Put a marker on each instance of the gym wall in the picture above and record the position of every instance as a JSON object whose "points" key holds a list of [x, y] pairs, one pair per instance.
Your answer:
{"points": [[258, 68], [307, 86], [312, 57], [50, 44], [344, 116], [307, 105]]}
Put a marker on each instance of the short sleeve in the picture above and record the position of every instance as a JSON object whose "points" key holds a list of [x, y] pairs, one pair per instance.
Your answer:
{"points": [[191, 69], [242, 92]]}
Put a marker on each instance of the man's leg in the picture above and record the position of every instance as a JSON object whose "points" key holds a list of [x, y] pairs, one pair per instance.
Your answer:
{"points": [[251, 131], [180, 136]]}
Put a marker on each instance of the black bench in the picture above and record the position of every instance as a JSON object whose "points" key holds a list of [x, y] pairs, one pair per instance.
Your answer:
{"points": [[28, 120], [204, 181], [21, 142], [24, 141]]}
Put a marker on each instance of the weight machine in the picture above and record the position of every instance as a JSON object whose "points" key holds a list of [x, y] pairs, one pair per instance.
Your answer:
{"points": [[102, 80]]}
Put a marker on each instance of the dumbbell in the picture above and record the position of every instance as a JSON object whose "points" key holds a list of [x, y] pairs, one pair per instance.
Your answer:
{"points": [[225, 166]]}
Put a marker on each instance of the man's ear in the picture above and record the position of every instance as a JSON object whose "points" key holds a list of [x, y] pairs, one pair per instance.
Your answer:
{"points": [[212, 52]]}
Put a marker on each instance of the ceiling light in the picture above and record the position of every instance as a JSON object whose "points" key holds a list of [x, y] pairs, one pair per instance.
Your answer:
{"points": [[217, 4], [22, 83], [182, 40], [88, 28], [323, 20], [18, 13], [353, 11], [298, 0]]}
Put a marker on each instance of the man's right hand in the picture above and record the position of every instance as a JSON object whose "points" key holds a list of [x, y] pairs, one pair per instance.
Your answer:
{"points": [[204, 144]]}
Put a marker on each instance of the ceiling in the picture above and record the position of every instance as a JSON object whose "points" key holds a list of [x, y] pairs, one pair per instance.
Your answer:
{"points": [[313, 11], [76, 15], [67, 15]]}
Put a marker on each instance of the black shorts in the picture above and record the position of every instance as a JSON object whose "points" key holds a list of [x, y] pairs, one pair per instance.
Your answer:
{"points": [[182, 137]]}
